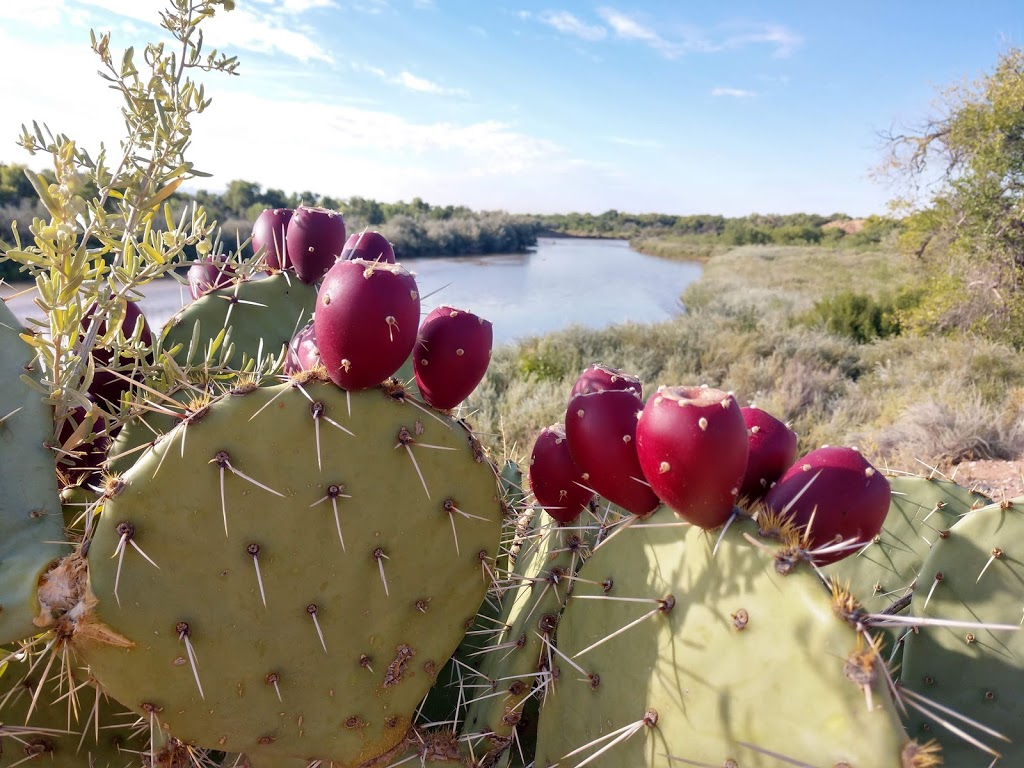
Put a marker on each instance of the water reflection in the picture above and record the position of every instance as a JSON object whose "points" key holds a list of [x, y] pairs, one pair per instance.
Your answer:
{"points": [[594, 283]]}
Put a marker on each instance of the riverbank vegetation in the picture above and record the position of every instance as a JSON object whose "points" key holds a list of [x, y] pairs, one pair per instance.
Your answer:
{"points": [[908, 345], [765, 322]]}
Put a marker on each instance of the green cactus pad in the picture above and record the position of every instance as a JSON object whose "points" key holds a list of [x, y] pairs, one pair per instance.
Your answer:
{"points": [[513, 664], [30, 513], [976, 672], [726, 662], [350, 651], [92, 730], [265, 314], [922, 508]]}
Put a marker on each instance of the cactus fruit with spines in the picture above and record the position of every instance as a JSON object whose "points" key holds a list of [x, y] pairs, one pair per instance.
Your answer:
{"points": [[452, 352], [836, 498], [314, 239], [693, 446], [366, 319], [556, 481], [268, 238], [601, 430], [773, 447]]}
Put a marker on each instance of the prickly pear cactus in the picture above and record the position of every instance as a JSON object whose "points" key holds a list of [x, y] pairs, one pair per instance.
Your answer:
{"points": [[65, 723], [921, 511], [30, 515], [286, 572], [260, 316], [974, 575], [703, 657], [515, 663]]}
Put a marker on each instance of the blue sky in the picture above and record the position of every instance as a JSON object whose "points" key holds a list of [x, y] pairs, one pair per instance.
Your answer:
{"points": [[651, 105]]}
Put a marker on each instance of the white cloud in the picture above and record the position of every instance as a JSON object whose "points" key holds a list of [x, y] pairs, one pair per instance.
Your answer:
{"points": [[246, 28], [628, 28], [408, 80], [569, 24], [735, 93], [782, 38], [422, 85]]}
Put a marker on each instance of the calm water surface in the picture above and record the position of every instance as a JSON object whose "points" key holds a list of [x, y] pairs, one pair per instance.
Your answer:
{"points": [[594, 283]]}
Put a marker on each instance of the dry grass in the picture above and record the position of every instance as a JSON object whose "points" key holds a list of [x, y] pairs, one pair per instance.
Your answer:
{"points": [[902, 400]]}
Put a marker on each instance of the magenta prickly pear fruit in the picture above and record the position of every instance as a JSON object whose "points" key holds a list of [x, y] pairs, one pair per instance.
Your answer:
{"points": [[452, 351], [303, 353], [371, 246], [692, 444], [314, 241], [106, 387], [601, 429], [599, 376], [555, 479], [207, 275], [366, 318], [833, 494], [772, 452], [268, 232]]}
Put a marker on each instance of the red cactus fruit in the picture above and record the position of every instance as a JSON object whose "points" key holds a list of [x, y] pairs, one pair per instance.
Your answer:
{"points": [[601, 429], [107, 387], [555, 479], [366, 318], [371, 246], [834, 495], [303, 353], [692, 444], [268, 232], [452, 351], [314, 240], [772, 452], [599, 376], [207, 275]]}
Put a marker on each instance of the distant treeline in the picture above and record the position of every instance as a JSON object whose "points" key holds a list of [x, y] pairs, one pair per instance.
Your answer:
{"points": [[418, 229], [755, 229]]}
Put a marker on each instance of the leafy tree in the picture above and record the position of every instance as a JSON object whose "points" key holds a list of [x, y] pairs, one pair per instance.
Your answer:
{"points": [[963, 169]]}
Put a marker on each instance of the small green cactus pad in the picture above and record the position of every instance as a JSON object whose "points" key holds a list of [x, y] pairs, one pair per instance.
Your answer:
{"points": [[261, 315], [514, 663], [973, 575], [30, 513], [718, 661], [47, 725], [292, 611], [922, 508]]}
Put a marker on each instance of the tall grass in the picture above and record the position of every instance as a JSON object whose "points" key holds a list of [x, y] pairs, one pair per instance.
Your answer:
{"points": [[902, 399]]}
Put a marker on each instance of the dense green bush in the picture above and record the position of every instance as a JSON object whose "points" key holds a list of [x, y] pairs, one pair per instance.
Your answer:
{"points": [[860, 316]]}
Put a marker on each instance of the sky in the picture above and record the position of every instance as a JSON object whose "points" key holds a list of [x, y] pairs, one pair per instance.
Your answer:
{"points": [[671, 106]]}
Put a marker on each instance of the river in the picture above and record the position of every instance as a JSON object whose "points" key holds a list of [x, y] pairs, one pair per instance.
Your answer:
{"points": [[563, 281]]}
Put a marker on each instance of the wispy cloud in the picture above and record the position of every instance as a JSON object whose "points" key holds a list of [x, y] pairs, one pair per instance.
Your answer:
{"points": [[424, 5], [422, 85], [570, 24], [784, 40], [628, 28], [408, 80], [733, 93], [263, 29]]}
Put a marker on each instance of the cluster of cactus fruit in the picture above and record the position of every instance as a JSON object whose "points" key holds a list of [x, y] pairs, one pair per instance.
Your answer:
{"points": [[263, 536]]}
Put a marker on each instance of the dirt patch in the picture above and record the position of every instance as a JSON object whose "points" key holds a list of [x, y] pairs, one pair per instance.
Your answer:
{"points": [[997, 479]]}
